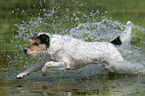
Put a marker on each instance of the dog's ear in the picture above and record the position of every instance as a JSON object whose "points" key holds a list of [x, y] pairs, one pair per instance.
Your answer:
{"points": [[44, 39]]}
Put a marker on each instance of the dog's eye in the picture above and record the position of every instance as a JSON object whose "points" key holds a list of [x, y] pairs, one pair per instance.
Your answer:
{"points": [[36, 44]]}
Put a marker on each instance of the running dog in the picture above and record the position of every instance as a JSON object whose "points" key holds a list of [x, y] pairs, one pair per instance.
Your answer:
{"points": [[70, 53]]}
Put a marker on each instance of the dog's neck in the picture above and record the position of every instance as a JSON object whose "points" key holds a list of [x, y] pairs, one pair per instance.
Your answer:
{"points": [[56, 43]]}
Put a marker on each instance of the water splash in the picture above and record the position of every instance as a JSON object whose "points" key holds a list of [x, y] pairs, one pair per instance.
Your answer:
{"points": [[104, 30], [92, 27]]}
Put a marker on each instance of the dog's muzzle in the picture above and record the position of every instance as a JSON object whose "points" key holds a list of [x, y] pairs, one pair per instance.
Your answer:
{"points": [[25, 50]]}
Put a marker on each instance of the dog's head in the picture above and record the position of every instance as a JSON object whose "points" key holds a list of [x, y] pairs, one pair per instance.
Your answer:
{"points": [[38, 44]]}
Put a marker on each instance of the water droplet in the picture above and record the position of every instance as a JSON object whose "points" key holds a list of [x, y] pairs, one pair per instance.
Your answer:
{"points": [[44, 9], [13, 11], [33, 5]]}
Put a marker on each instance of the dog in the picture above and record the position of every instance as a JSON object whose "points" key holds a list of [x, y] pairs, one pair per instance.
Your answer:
{"points": [[71, 53]]}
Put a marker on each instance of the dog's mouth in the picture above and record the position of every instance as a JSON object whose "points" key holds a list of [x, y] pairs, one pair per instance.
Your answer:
{"points": [[29, 52], [33, 53]]}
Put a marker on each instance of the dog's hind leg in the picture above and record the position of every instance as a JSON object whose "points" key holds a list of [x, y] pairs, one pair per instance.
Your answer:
{"points": [[112, 58]]}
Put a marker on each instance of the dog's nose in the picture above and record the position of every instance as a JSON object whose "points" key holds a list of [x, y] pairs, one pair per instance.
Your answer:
{"points": [[25, 50]]}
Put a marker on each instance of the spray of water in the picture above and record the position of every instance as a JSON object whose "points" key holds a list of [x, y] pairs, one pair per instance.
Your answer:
{"points": [[104, 29]]}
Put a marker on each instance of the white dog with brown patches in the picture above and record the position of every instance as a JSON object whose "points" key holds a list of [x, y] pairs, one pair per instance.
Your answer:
{"points": [[71, 53]]}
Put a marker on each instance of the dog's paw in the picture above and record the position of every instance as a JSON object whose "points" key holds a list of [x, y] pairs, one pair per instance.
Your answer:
{"points": [[44, 72], [21, 75]]}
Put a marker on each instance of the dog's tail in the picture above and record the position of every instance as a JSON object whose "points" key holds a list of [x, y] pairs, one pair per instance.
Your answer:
{"points": [[125, 36]]}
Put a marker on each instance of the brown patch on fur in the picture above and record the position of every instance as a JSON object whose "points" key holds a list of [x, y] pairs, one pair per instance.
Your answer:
{"points": [[35, 45]]}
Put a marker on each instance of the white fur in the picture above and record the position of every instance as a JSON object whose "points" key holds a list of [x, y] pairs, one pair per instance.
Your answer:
{"points": [[67, 49], [72, 53]]}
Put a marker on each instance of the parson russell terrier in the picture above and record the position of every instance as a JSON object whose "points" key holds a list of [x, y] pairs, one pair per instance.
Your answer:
{"points": [[70, 53]]}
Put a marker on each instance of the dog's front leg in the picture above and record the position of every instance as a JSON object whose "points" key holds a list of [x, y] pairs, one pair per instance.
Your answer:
{"points": [[51, 64], [32, 69]]}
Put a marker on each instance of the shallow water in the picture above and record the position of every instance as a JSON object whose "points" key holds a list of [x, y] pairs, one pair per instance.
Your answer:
{"points": [[84, 22]]}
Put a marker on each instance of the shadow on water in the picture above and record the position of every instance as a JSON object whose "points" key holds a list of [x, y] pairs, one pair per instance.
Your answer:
{"points": [[90, 20]]}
